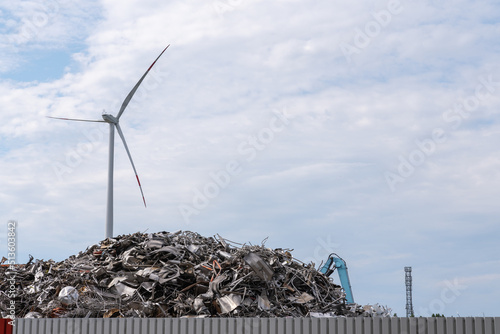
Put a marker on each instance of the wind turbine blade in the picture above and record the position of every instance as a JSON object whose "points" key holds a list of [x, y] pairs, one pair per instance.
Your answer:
{"points": [[76, 119], [132, 92], [130, 157]]}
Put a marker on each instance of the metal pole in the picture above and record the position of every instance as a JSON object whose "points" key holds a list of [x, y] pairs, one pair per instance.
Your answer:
{"points": [[408, 283]]}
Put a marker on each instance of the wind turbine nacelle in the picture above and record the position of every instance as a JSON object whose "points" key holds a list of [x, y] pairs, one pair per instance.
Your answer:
{"points": [[110, 118]]}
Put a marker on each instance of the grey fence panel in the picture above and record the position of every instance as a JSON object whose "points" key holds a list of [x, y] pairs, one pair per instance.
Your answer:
{"points": [[440, 326], [404, 325], [451, 325], [460, 326], [479, 326], [492, 325]]}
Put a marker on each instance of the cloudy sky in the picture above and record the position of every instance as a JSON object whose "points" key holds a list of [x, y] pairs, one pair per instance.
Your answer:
{"points": [[370, 129]]}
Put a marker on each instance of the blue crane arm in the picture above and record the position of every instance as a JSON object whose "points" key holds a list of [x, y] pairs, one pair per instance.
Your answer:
{"points": [[326, 268], [344, 279], [341, 267]]}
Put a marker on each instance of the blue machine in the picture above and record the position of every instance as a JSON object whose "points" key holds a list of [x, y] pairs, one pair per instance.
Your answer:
{"points": [[336, 262]]}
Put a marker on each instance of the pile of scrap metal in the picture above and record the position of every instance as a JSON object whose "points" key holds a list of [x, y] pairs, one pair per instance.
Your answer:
{"points": [[181, 274]]}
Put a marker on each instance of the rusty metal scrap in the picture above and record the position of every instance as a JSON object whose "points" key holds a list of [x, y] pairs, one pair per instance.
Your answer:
{"points": [[180, 274]]}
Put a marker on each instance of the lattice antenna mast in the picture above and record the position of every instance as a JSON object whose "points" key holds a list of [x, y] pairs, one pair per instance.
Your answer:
{"points": [[409, 303]]}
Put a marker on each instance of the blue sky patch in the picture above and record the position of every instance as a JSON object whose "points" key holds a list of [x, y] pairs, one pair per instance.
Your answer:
{"points": [[41, 66]]}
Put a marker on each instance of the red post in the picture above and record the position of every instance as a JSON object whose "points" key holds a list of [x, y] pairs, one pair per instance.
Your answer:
{"points": [[5, 326]]}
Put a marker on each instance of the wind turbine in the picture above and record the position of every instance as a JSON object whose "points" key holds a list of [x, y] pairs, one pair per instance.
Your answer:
{"points": [[113, 122]]}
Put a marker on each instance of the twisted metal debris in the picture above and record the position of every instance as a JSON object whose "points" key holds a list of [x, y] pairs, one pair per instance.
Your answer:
{"points": [[180, 274]]}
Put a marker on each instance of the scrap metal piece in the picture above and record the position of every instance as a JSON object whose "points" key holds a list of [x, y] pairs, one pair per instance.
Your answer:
{"points": [[116, 280], [68, 295], [193, 248], [199, 306], [32, 289], [322, 315], [33, 315], [225, 255], [167, 249], [263, 301], [154, 243], [113, 313], [148, 286], [124, 289], [261, 268], [229, 303], [304, 298], [38, 275], [377, 310]]}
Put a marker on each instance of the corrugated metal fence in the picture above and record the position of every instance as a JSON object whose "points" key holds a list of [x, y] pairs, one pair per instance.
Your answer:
{"points": [[260, 326]]}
